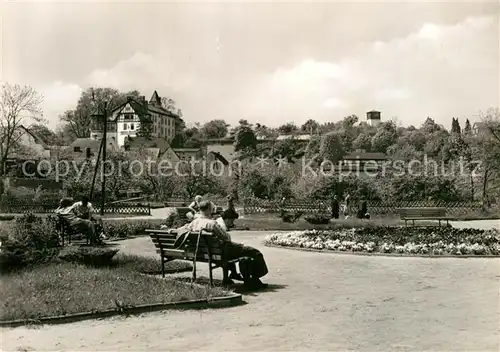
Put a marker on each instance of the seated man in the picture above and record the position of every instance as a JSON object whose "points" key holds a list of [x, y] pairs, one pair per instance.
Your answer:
{"points": [[84, 210], [66, 212], [257, 267]]}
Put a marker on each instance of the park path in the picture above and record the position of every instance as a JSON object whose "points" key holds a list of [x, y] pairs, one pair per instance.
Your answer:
{"points": [[316, 301]]}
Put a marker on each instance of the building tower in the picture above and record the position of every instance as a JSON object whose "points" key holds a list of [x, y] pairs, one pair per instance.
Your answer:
{"points": [[373, 118]]}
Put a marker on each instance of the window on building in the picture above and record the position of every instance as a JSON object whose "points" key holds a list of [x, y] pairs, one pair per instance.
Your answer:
{"points": [[125, 126], [131, 126], [77, 149], [128, 116]]}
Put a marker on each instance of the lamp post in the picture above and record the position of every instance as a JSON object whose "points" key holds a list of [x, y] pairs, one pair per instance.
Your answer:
{"points": [[102, 149]]}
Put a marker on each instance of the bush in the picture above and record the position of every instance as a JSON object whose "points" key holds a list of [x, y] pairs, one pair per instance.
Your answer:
{"points": [[29, 239], [125, 228], [95, 256], [318, 219]]}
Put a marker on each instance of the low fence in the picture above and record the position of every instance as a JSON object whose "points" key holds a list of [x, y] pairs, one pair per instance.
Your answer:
{"points": [[47, 208], [254, 206]]}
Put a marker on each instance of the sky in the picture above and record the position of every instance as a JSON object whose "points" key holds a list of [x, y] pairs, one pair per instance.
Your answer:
{"points": [[270, 63]]}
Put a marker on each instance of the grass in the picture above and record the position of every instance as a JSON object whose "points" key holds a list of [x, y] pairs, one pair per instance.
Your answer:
{"points": [[66, 288], [150, 265], [271, 222]]}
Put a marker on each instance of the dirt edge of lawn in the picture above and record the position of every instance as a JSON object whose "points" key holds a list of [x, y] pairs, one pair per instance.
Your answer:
{"points": [[230, 300]]}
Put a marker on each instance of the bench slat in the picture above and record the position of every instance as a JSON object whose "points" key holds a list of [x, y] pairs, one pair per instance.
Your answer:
{"points": [[179, 254], [172, 253]]}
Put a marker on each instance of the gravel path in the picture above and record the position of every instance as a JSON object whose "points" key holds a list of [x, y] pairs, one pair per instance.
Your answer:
{"points": [[316, 301]]}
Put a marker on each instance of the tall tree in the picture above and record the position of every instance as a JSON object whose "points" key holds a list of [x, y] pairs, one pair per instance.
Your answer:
{"points": [[81, 118], [245, 140], [455, 126], [214, 129], [310, 126], [467, 128], [288, 128], [331, 147], [46, 135], [18, 106]]}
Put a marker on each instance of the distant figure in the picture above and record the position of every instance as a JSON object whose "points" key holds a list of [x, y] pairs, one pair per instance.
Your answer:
{"points": [[230, 214], [335, 207], [194, 207], [363, 211], [347, 203]]}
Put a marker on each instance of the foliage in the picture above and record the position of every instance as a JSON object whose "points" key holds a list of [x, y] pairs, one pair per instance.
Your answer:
{"points": [[245, 138], [29, 239], [318, 219], [16, 104], [331, 147], [214, 129], [68, 288]]}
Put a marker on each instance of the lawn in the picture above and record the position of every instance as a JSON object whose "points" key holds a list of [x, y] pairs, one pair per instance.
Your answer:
{"points": [[66, 288], [271, 222]]}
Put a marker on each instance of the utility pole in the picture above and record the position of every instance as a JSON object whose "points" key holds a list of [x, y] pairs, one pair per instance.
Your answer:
{"points": [[104, 147]]}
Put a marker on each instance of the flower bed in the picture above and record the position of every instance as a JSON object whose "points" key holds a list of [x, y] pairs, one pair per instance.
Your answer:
{"points": [[401, 240]]}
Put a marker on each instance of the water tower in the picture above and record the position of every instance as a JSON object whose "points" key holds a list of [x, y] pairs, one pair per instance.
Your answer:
{"points": [[373, 118]]}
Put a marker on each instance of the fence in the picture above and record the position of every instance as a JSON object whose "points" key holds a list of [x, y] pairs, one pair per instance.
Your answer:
{"points": [[47, 208], [253, 206]]}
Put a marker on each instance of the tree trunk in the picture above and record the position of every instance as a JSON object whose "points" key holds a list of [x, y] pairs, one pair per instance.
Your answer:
{"points": [[485, 183]]}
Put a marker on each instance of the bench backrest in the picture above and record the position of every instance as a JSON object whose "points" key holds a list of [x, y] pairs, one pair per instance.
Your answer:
{"points": [[422, 212], [182, 211], [208, 244]]}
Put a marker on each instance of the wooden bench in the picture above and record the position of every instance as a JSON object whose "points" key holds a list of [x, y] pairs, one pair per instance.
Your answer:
{"points": [[413, 214], [65, 230], [210, 250]]}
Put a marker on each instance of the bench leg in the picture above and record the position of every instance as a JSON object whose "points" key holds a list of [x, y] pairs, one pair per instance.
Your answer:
{"points": [[440, 223], [225, 272], [413, 223], [162, 266]]}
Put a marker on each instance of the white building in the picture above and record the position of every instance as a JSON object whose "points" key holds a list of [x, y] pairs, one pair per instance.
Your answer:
{"points": [[373, 118], [127, 119]]}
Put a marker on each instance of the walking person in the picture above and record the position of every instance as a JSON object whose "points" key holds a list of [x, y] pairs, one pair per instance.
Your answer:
{"points": [[335, 205]]}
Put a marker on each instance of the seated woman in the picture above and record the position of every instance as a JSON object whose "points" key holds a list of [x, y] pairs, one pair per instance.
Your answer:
{"points": [[84, 210], [66, 211]]}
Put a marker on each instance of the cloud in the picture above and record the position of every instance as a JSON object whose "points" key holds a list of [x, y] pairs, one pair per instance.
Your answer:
{"points": [[441, 71], [57, 98]]}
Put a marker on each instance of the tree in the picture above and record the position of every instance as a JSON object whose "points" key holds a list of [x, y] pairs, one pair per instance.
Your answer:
{"points": [[47, 135], [80, 119], [310, 126], [455, 126], [362, 141], [430, 126], [214, 129], [384, 138], [18, 105], [245, 140], [331, 147], [467, 128], [169, 104], [288, 128]]}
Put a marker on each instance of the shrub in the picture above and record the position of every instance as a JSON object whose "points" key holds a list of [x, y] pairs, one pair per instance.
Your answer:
{"points": [[130, 228], [318, 219], [95, 256], [28, 239]]}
